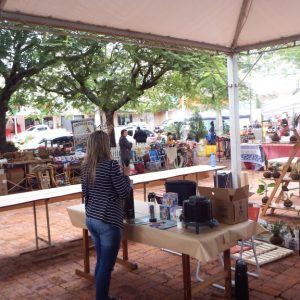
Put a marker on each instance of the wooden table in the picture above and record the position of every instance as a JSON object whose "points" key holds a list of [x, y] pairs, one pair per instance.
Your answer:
{"points": [[204, 246]]}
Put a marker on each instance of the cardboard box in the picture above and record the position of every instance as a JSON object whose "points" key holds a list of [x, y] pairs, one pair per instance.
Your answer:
{"points": [[3, 184], [229, 206]]}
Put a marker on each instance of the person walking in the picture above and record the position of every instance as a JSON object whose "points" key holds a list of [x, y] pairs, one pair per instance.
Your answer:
{"points": [[125, 148], [104, 187], [140, 135]]}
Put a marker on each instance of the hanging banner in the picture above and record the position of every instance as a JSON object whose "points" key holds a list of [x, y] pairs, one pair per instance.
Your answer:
{"points": [[81, 130]]}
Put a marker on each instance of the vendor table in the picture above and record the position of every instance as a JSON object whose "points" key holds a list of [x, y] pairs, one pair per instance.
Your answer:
{"points": [[253, 153], [46, 196], [204, 246], [276, 150]]}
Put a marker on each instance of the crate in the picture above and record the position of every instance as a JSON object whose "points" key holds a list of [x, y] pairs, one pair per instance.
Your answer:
{"points": [[210, 149], [154, 165]]}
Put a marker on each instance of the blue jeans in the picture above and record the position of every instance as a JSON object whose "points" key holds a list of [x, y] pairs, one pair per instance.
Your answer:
{"points": [[107, 240]]}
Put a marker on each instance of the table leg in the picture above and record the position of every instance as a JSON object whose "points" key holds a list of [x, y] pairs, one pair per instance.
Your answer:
{"points": [[48, 224], [124, 260], [86, 257], [186, 273], [145, 192], [35, 226], [217, 179]]}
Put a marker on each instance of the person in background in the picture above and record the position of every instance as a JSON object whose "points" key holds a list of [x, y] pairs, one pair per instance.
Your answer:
{"points": [[125, 147], [170, 140], [160, 139], [140, 135], [104, 187]]}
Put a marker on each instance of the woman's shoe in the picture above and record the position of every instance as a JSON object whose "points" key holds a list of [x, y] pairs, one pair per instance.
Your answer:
{"points": [[113, 298]]}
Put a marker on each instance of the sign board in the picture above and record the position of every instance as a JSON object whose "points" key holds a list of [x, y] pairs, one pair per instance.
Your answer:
{"points": [[81, 131]]}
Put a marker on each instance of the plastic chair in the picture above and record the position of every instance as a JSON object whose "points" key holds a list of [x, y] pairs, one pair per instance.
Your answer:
{"points": [[153, 155]]}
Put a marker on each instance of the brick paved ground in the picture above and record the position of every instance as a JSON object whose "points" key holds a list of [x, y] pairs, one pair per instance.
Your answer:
{"points": [[157, 277]]}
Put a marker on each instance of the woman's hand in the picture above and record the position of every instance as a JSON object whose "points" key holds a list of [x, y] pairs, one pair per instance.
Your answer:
{"points": [[126, 170]]}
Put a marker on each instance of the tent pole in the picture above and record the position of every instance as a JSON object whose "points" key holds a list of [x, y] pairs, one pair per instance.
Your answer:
{"points": [[232, 69]]}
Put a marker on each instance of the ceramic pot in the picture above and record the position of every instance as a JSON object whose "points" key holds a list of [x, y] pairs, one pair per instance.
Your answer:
{"points": [[288, 203], [295, 176], [265, 199], [267, 174], [276, 240]]}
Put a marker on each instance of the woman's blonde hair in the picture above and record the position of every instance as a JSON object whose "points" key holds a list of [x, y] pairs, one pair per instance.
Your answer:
{"points": [[98, 149]]}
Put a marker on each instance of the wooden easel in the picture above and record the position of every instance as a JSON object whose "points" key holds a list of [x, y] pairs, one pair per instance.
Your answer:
{"points": [[281, 178]]}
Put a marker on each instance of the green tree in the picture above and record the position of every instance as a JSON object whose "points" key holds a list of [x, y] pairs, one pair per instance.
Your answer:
{"points": [[118, 75], [23, 55]]}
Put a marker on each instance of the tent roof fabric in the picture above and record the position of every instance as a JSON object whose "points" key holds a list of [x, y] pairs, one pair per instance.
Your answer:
{"points": [[223, 25]]}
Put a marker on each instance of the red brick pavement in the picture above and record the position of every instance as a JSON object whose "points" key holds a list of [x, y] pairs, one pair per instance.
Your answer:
{"points": [[158, 275]]}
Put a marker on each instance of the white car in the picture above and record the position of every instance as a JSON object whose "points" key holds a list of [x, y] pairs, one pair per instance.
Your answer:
{"points": [[33, 136], [31, 133]]}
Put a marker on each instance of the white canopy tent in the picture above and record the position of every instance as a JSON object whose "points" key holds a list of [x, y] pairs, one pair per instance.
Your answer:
{"points": [[229, 26]]}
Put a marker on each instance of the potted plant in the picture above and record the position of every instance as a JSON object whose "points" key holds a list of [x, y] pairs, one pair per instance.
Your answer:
{"points": [[197, 127], [275, 137], [263, 190], [288, 202], [295, 122], [295, 174], [276, 229], [275, 172]]}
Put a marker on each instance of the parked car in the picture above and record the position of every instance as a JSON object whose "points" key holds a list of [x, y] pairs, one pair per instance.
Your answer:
{"points": [[31, 133], [32, 137]]}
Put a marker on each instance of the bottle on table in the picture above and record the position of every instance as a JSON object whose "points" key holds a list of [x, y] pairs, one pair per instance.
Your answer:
{"points": [[212, 160]]}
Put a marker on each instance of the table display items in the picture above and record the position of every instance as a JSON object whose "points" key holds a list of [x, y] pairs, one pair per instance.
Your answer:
{"points": [[152, 207], [179, 218], [197, 212], [168, 206]]}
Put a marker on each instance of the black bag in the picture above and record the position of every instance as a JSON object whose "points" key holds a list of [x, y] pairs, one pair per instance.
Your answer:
{"points": [[129, 206]]}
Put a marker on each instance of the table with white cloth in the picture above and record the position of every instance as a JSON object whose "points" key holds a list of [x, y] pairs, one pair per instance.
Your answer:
{"points": [[146, 178], [204, 246], [253, 154]]}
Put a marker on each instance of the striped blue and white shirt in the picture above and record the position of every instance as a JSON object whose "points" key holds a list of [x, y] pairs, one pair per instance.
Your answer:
{"points": [[104, 198]]}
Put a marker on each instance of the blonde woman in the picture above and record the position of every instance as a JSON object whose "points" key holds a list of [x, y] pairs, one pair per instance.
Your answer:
{"points": [[104, 187]]}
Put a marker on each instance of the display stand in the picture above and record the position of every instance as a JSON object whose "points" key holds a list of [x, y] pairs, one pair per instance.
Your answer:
{"points": [[282, 179]]}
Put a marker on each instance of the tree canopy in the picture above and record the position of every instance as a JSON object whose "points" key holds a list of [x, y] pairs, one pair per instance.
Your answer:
{"points": [[54, 72]]}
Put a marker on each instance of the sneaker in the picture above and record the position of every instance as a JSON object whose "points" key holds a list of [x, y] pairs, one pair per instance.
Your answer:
{"points": [[113, 298]]}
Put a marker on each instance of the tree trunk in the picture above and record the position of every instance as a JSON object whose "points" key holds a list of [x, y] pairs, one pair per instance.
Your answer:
{"points": [[2, 129], [109, 115]]}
